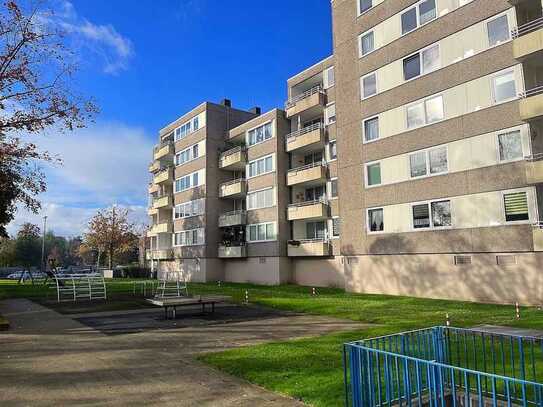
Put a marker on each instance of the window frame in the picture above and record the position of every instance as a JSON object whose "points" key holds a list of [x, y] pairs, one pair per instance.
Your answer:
{"points": [[192, 186], [186, 203], [329, 189], [192, 129], [374, 73], [256, 192], [329, 148], [262, 158], [426, 152], [270, 122], [247, 233], [368, 226], [532, 209], [429, 205], [326, 114], [326, 77], [331, 227], [366, 174], [493, 78], [364, 140], [360, 48], [423, 102], [521, 131], [359, 11], [186, 232], [417, 14], [493, 18], [422, 72], [191, 150]]}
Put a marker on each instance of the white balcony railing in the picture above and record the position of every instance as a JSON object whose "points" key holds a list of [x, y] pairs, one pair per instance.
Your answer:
{"points": [[310, 92], [235, 150], [534, 157], [527, 28], [308, 166], [531, 92], [305, 130]]}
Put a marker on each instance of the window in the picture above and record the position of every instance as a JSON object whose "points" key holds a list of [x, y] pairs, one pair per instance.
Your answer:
{"points": [[504, 86], [364, 5], [374, 174], [332, 150], [441, 215], [261, 232], [315, 230], [498, 31], [367, 43], [191, 208], [433, 161], [425, 112], [187, 128], [369, 85], [510, 146], [189, 237], [260, 166], [187, 182], [422, 13], [333, 188], [260, 199], [371, 129], [376, 220], [313, 158], [421, 63], [329, 78], [336, 224], [314, 193], [516, 207], [330, 114], [187, 155], [260, 134]]}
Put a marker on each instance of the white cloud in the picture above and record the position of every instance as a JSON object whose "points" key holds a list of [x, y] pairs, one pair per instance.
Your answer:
{"points": [[105, 164]]}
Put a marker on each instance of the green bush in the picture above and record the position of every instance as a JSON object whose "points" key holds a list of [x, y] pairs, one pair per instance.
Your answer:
{"points": [[133, 272]]}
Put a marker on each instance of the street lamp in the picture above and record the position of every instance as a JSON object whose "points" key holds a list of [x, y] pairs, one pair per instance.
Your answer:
{"points": [[43, 245]]}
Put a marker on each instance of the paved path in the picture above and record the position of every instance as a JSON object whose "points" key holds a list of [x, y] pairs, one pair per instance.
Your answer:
{"points": [[49, 359]]}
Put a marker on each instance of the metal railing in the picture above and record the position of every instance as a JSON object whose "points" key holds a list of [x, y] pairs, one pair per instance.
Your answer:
{"points": [[163, 144], [307, 167], [296, 242], [232, 213], [534, 157], [527, 28], [322, 200], [531, 92], [538, 225], [444, 366], [310, 92], [316, 126], [232, 182], [237, 149], [74, 287]]}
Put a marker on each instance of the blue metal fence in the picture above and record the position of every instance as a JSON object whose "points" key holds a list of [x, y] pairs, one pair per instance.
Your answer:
{"points": [[444, 366]]}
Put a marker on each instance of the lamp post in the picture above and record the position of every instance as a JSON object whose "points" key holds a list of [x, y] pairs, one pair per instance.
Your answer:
{"points": [[43, 245]]}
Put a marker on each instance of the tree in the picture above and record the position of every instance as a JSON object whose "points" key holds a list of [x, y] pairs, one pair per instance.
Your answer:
{"points": [[111, 232], [28, 246], [35, 94]]}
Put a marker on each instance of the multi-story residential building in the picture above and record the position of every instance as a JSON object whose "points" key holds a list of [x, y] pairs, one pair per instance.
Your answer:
{"points": [[408, 162]]}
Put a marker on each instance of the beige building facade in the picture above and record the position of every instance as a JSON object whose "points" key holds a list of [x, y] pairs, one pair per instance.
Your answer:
{"points": [[410, 162]]}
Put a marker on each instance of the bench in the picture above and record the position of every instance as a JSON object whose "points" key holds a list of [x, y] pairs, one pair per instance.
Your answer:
{"points": [[174, 302]]}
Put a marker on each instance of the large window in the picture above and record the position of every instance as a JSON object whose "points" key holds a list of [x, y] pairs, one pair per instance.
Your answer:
{"points": [[332, 150], [429, 162], [516, 207], [420, 14], [329, 78], [261, 232], [425, 112], [440, 215], [374, 174], [498, 31], [364, 5], [369, 85], [187, 128], [376, 221], [260, 166], [367, 43], [315, 230], [260, 134], [333, 189], [504, 87], [336, 226], [187, 155], [188, 209], [315, 193], [192, 237], [421, 63], [330, 114], [371, 129], [510, 146], [187, 182], [261, 199]]}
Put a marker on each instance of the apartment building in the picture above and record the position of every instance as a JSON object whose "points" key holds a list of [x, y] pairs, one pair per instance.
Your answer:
{"points": [[409, 162]]}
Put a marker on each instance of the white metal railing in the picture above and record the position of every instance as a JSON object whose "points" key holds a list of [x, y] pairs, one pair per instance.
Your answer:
{"points": [[232, 182], [531, 92], [295, 242], [527, 28], [163, 144], [538, 225], [316, 126], [534, 157], [322, 200], [232, 213], [308, 167], [237, 149], [73, 287], [292, 101]]}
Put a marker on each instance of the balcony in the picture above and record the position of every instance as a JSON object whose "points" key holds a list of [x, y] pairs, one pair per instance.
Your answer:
{"points": [[307, 210], [307, 139], [232, 252], [528, 38], [166, 227], [538, 236], [154, 167], [534, 169], [309, 248], [234, 218], [152, 211], [310, 99], [163, 150], [153, 188], [308, 174], [163, 202], [236, 188], [159, 254], [165, 176], [234, 159], [531, 104]]}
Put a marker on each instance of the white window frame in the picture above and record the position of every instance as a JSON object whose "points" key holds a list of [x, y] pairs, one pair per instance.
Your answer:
{"points": [[259, 159], [329, 149], [247, 233], [522, 133], [366, 173], [368, 227], [360, 50], [423, 102], [256, 192], [419, 25], [362, 85], [192, 186], [190, 231], [270, 122], [192, 130], [419, 53], [191, 203], [532, 206], [329, 189], [191, 150], [426, 152], [331, 227], [429, 204], [326, 114], [509, 27], [493, 85], [359, 12], [364, 140], [326, 78]]}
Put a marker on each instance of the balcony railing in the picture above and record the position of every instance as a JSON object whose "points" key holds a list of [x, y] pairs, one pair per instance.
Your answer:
{"points": [[527, 28], [531, 92], [305, 130], [233, 218], [534, 157], [308, 203], [232, 182], [308, 166], [163, 144], [237, 149], [292, 101]]}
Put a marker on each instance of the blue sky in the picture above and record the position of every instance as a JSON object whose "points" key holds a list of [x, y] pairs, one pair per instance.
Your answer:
{"points": [[148, 62]]}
